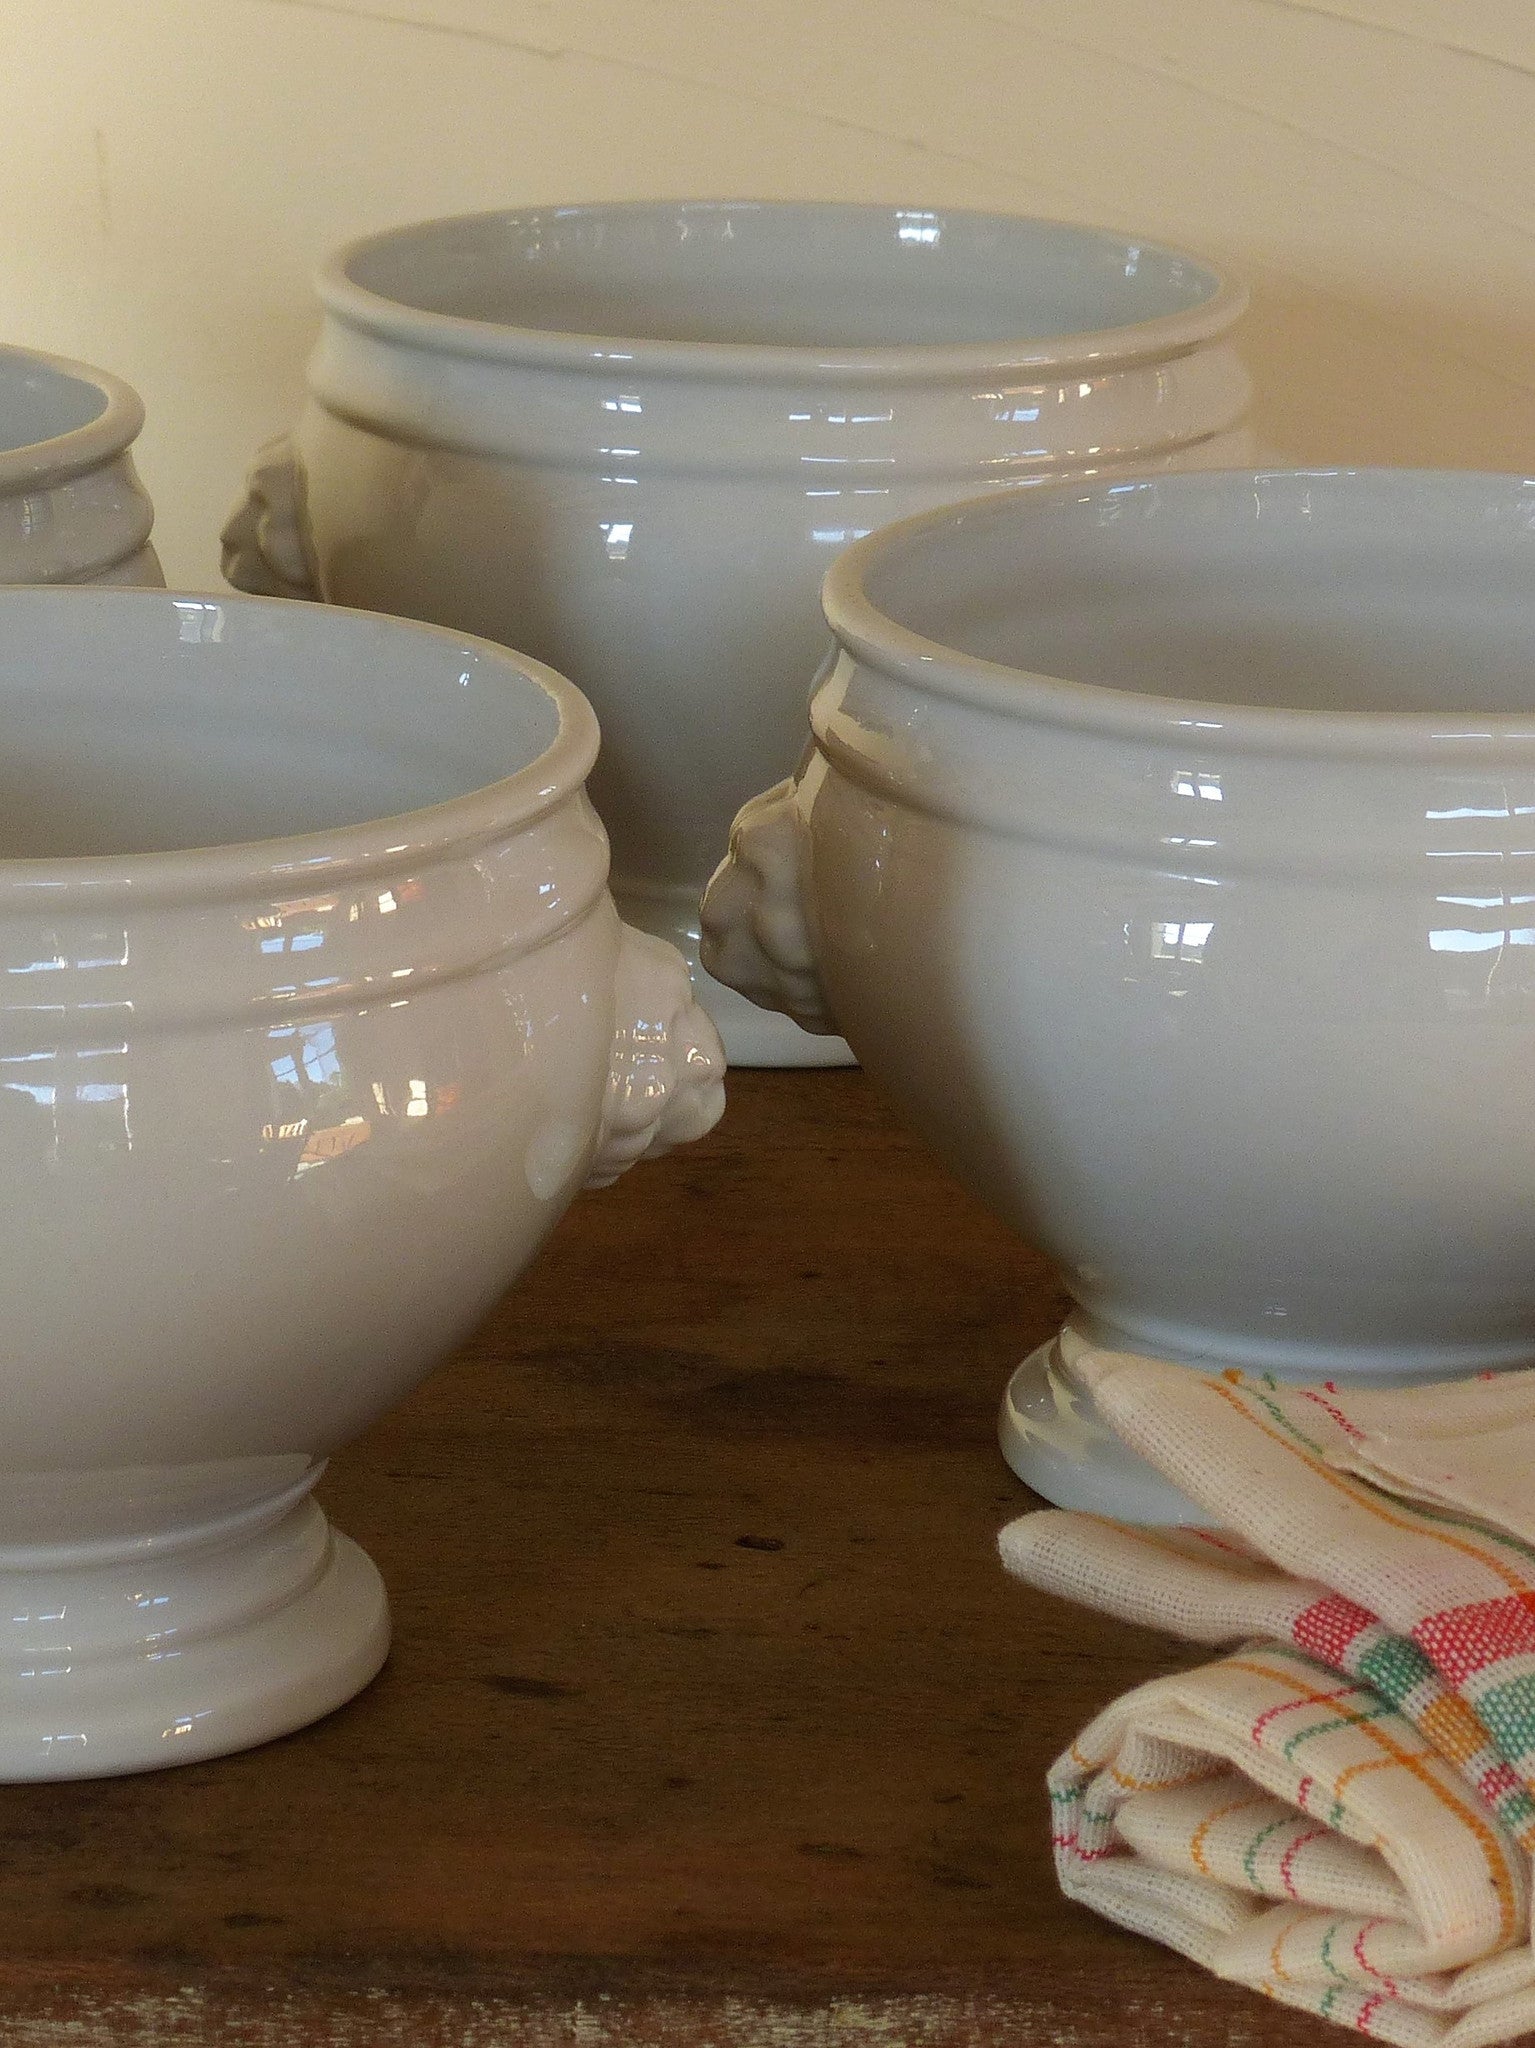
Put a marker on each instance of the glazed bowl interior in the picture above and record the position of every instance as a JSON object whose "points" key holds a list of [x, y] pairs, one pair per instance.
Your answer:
{"points": [[1353, 592], [140, 722], [791, 276], [40, 401]]}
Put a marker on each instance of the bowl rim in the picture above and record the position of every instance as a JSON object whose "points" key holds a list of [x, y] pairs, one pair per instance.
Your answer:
{"points": [[1134, 342], [237, 869], [1031, 696], [59, 457]]}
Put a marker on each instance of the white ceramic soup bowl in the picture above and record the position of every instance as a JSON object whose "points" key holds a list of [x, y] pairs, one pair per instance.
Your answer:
{"points": [[1167, 850], [72, 509], [631, 438], [315, 1012]]}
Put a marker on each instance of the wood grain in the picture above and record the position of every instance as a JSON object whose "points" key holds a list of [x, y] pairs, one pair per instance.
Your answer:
{"points": [[711, 1717]]}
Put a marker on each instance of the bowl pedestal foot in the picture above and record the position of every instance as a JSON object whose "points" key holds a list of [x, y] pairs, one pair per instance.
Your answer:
{"points": [[165, 1654], [1055, 1441]]}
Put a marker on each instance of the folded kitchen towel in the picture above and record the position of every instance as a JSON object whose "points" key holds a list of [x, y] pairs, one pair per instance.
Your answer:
{"points": [[1341, 1813]]}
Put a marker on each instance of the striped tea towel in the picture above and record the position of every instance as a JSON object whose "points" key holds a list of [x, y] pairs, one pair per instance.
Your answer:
{"points": [[1341, 1813]]}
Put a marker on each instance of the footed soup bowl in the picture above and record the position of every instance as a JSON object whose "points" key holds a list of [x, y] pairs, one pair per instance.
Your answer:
{"points": [[315, 1012], [72, 509], [1166, 849], [631, 439]]}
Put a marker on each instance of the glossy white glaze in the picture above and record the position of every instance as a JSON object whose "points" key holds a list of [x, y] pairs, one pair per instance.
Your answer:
{"points": [[631, 438], [315, 1013], [72, 509], [1163, 851]]}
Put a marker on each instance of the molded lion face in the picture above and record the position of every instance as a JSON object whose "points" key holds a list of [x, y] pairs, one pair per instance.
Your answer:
{"points": [[755, 937], [667, 1081], [265, 539]]}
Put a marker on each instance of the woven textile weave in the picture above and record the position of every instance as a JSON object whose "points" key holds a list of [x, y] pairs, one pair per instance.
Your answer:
{"points": [[1341, 1812]]}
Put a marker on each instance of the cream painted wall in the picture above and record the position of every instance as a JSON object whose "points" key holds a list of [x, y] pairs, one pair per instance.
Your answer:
{"points": [[170, 169]]}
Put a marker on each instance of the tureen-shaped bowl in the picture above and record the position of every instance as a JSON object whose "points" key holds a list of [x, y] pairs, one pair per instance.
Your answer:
{"points": [[72, 509], [314, 1014], [632, 437], [1166, 849]]}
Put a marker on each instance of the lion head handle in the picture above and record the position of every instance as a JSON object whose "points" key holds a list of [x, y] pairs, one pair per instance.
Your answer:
{"points": [[666, 1084], [755, 935], [266, 540]]}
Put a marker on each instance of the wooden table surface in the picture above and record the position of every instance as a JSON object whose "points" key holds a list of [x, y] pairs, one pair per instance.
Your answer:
{"points": [[711, 1716]]}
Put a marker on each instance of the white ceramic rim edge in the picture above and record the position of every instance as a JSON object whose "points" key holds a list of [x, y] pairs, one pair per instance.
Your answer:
{"points": [[100, 440], [237, 867], [1169, 334], [928, 666]]}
